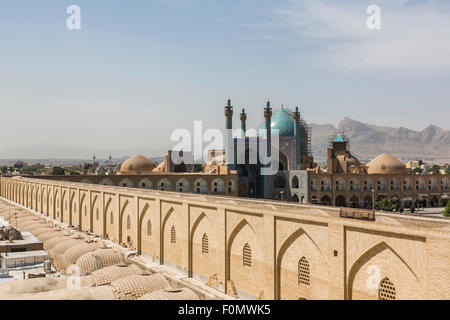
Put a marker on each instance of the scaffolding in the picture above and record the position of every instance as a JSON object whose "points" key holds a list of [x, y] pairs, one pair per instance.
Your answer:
{"points": [[305, 144]]}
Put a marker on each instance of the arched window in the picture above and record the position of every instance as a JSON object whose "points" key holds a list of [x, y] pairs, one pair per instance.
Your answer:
{"points": [[173, 235], [218, 186], [303, 271], [112, 217], [128, 222], [295, 182], [205, 244], [149, 228], [200, 186], [247, 256], [386, 290]]}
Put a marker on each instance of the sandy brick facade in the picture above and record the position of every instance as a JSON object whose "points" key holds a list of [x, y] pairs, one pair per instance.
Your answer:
{"points": [[263, 249]]}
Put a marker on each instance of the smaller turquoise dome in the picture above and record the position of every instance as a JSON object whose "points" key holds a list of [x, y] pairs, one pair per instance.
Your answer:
{"points": [[282, 121]]}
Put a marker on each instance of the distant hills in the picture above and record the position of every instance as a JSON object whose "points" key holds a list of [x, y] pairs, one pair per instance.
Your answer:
{"points": [[367, 141]]}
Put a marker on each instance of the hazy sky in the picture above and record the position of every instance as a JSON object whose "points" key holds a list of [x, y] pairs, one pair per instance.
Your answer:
{"points": [[137, 70]]}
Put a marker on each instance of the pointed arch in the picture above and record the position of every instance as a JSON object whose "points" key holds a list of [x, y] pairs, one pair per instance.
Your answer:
{"points": [[231, 238], [191, 240], [163, 231], [91, 213], [373, 251], [122, 210], [141, 219], [284, 247]]}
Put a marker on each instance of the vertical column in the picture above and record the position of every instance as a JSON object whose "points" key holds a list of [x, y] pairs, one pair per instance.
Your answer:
{"points": [[159, 255], [268, 122], [269, 257], [298, 146], [138, 229], [229, 144], [222, 249], [337, 262], [104, 214], [243, 123], [117, 220]]}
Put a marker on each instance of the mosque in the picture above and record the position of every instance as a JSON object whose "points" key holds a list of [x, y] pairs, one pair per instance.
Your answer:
{"points": [[346, 182], [200, 226]]}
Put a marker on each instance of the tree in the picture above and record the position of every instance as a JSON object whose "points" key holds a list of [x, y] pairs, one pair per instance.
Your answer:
{"points": [[4, 169], [447, 170], [385, 205], [417, 170], [58, 171], [447, 210], [197, 167]]}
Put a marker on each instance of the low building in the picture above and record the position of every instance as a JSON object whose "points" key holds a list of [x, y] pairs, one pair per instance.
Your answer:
{"points": [[349, 183]]}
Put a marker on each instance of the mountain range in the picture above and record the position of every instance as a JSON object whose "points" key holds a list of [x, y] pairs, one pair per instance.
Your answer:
{"points": [[367, 141]]}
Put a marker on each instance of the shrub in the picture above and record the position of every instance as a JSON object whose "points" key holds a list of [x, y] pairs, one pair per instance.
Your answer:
{"points": [[447, 210], [385, 205]]}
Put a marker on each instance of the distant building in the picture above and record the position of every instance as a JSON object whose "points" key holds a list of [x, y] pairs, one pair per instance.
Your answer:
{"points": [[349, 183]]}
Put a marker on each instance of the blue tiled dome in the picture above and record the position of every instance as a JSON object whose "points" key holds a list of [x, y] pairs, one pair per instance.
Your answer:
{"points": [[282, 121]]}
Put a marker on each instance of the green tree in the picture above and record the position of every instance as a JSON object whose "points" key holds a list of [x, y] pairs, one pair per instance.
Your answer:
{"points": [[447, 170], [417, 170], [447, 210], [385, 205], [58, 171], [197, 167], [4, 169]]}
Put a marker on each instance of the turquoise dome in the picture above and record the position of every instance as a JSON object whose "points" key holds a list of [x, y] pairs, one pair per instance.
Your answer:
{"points": [[282, 121]]}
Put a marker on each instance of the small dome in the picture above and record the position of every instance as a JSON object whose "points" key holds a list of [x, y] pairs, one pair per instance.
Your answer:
{"points": [[138, 163], [386, 164]]}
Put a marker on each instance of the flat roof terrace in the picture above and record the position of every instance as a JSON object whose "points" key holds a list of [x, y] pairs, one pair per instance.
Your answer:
{"points": [[28, 243]]}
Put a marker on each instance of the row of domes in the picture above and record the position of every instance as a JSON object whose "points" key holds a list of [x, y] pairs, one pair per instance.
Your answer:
{"points": [[383, 164]]}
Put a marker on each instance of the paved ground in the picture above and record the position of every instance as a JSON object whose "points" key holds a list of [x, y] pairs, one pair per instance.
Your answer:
{"points": [[426, 212]]}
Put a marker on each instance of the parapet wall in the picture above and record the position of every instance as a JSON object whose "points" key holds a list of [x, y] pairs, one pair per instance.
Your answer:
{"points": [[256, 248]]}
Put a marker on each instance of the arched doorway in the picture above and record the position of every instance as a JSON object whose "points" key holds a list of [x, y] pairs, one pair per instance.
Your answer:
{"points": [[295, 198], [354, 202], [434, 202], [340, 201], [325, 200], [368, 202]]}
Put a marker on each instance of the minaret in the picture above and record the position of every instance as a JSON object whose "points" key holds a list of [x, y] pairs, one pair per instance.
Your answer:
{"points": [[229, 150], [243, 125], [267, 178], [298, 137], [268, 117]]}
